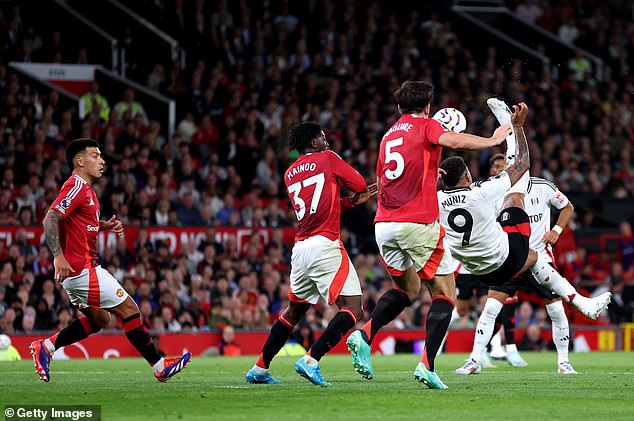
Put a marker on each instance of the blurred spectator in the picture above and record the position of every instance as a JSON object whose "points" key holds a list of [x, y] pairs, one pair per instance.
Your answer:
{"points": [[620, 309], [128, 108], [228, 346], [626, 246], [188, 212], [532, 340], [93, 102]]}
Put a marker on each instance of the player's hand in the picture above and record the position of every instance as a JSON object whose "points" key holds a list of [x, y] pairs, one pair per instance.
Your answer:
{"points": [[520, 111], [501, 132], [359, 198], [62, 267], [112, 224], [551, 237]]}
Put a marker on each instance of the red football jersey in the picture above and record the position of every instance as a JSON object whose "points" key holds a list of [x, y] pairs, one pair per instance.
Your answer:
{"points": [[407, 169], [78, 205], [313, 183]]}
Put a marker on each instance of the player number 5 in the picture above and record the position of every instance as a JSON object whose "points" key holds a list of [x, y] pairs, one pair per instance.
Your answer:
{"points": [[394, 156]]}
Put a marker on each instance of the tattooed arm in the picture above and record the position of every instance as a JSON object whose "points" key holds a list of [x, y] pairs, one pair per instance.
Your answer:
{"points": [[51, 233]]}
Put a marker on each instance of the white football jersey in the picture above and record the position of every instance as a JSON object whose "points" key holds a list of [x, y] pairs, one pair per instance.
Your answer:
{"points": [[469, 218], [541, 195]]}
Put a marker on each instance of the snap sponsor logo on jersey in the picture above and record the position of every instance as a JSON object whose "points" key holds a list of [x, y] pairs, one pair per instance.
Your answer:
{"points": [[92, 228]]}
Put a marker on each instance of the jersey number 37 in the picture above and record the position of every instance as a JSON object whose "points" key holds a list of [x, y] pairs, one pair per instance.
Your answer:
{"points": [[298, 202]]}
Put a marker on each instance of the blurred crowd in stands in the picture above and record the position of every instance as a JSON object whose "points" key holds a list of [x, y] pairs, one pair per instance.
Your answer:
{"points": [[254, 69]]}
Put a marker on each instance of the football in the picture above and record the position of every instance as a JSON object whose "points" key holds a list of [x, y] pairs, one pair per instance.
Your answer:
{"points": [[5, 342], [451, 119]]}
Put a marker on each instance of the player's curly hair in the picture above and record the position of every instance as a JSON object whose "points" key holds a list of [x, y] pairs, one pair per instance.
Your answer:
{"points": [[76, 147], [455, 167], [413, 96], [301, 134]]}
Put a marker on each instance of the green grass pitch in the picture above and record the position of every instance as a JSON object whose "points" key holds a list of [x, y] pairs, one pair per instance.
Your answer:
{"points": [[213, 388]]}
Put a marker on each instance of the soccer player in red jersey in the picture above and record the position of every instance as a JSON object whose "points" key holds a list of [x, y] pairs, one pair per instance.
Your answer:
{"points": [[320, 266], [71, 226], [408, 234]]}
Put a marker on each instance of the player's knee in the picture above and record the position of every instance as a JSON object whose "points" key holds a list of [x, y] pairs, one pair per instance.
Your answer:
{"points": [[358, 312], [101, 320], [490, 311]]}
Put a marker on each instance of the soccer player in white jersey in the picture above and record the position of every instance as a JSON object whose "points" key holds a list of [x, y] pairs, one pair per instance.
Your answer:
{"points": [[500, 251], [320, 266], [540, 196]]}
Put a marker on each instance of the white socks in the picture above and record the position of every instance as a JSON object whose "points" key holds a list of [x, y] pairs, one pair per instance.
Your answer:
{"points": [[561, 330], [310, 361], [49, 345], [484, 329], [260, 370], [502, 113], [548, 277], [159, 366]]}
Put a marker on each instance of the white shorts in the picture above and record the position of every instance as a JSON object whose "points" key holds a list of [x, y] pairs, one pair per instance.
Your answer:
{"points": [[94, 288], [407, 244], [321, 268]]}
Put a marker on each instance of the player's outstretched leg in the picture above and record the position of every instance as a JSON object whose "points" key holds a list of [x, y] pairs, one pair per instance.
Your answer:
{"points": [[551, 279]]}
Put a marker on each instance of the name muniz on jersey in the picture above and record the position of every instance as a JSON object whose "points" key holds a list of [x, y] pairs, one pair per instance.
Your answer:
{"points": [[453, 200], [306, 166]]}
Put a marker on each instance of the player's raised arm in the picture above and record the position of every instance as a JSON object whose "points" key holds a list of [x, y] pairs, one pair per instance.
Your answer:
{"points": [[522, 159], [471, 142], [51, 233]]}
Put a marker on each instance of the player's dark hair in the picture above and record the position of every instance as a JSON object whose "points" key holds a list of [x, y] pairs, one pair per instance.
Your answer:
{"points": [[413, 96], [454, 168], [301, 134], [76, 147], [495, 158]]}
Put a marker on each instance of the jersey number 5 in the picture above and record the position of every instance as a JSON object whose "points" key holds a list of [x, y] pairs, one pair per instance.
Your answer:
{"points": [[391, 155], [300, 205], [465, 228]]}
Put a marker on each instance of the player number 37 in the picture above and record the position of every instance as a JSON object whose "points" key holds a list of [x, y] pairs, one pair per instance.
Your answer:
{"points": [[300, 205]]}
